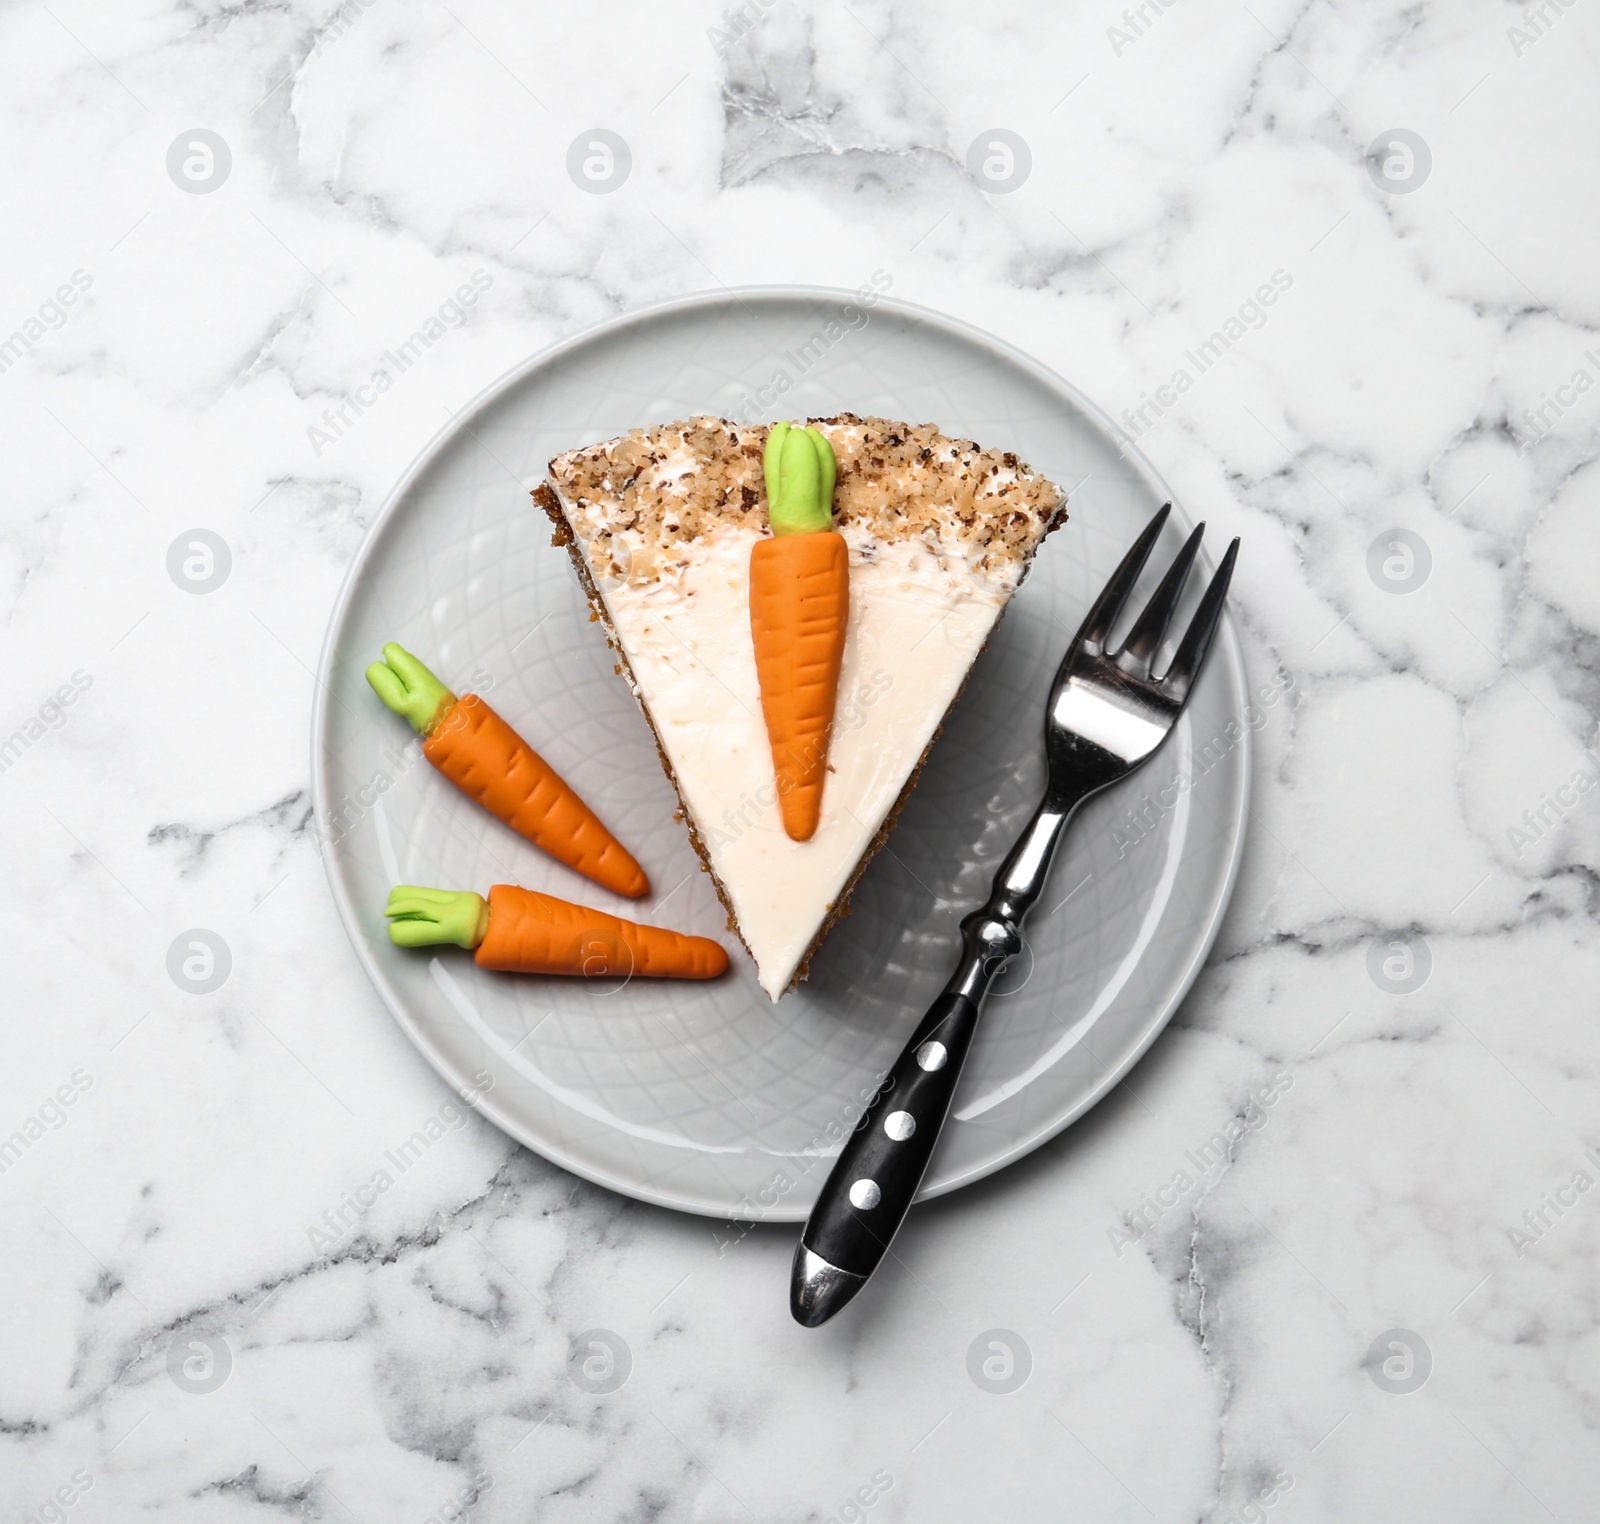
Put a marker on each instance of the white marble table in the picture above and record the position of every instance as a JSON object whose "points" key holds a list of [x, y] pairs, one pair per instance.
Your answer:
{"points": [[177, 1345]]}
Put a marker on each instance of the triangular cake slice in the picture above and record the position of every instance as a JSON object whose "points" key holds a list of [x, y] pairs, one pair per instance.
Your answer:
{"points": [[660, 525]]}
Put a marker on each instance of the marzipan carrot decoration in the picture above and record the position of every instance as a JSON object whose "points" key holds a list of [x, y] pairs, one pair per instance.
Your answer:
{"points": [[488, 761], [799, 610], [523, 932]]}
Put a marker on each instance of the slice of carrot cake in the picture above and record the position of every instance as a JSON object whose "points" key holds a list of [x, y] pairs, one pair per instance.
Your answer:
{"points": [[661, 523]]}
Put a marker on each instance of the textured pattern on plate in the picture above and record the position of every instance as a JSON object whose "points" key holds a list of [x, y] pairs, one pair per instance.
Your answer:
{"points": [[710, 1098]]}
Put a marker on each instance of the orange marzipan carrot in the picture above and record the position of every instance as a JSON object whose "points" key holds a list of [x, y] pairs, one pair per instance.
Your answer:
{"points": [[799, 610], [533, 933], [487, 760]]}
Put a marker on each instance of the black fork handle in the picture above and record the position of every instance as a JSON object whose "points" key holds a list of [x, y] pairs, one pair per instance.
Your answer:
{"points": [[883, 1161], [875, 1178]]}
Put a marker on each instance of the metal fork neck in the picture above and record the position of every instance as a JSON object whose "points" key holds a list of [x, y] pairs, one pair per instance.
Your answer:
{"points": [[992, 935]]}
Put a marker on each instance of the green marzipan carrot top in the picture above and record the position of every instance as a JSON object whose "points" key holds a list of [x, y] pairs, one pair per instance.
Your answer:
{"points": [[410, 689], [799, 467], [421, 917]]}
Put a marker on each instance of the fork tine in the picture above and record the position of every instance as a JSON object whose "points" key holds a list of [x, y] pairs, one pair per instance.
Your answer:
{"points": [[1144, 639], [1197, 639], [1098, 621]]}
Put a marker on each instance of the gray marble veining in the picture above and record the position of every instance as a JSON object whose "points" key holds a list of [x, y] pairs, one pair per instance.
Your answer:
{"points": [[1329, 1253]]}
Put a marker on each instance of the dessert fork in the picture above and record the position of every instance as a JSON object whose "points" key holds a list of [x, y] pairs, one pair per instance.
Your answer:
{"points": [[1107, 714]]}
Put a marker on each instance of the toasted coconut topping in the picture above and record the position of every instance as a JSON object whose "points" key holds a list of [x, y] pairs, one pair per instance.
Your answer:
{"points": [[638, 500]]}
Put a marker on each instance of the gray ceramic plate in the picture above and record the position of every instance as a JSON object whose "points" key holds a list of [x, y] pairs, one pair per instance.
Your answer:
{"points": [[709, 1097]]}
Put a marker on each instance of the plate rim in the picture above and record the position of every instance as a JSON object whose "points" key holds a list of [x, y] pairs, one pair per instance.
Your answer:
{"points": [[1228, 646]]}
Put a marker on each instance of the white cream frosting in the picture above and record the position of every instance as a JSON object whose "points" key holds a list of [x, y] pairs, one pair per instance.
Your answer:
{"points": [[919, 615]]}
